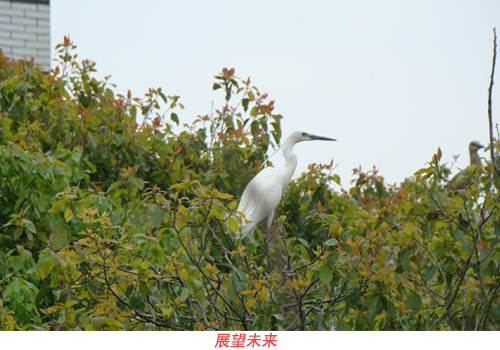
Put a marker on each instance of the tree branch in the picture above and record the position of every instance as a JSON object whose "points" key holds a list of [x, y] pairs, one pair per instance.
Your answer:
{"points": [[490, 114]]}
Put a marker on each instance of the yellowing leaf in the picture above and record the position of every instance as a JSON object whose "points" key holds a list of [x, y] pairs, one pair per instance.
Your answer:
{"points": [[128, 246], [167, 312], [47, 267], [181, 223], [182, 211], [233, 224], [216, 212], [401, 306], [97, 322], [184, 274], [224, 195], [303, 283], [68, 215], [250, 303], [408, 207], [262, 295], [409, 228], [258, 285]]}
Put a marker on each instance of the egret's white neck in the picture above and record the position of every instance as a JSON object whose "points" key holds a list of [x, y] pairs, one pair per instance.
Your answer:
{"points": [[290, 163]]}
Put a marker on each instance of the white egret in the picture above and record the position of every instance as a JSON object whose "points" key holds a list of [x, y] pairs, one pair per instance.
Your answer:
{"points": [[474, 146], [263, 193]]}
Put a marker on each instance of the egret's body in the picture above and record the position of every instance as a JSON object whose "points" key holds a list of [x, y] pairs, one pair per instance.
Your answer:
{"points": [[474, 146], [263, 193]]}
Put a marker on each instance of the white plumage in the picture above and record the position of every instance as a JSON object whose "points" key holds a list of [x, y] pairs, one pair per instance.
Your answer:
{"points": [[263, 193]]}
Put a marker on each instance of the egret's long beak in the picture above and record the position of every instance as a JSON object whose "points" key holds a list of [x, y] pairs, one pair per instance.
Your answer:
{"points": [[322, 138]]}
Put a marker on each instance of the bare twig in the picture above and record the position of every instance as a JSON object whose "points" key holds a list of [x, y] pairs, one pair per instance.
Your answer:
{"points": [[490, 114]]}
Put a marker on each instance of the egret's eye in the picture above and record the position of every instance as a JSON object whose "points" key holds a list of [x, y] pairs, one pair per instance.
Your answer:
{"points": [[304, 134]]}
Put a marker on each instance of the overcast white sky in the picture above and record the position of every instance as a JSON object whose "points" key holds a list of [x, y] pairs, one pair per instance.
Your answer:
{"points": [[391, 80]]}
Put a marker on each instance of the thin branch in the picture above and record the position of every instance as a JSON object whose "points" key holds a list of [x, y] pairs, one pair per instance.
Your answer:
{"points": [[490, 114]]}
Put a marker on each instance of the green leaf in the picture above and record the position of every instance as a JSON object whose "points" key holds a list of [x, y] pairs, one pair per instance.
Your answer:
{"points": [[174, 118], [138, 183], [77, 155], [16, 150], [158, 252], [184, 294], [29, 225], [380, 190], [244, 103], [459, 236], [278, 317], [58, 237], [136, 302], [414, 301], [114, 185], [45, 292], [216, 86], [318, 320], [17, 263], [254, 111], [441, 198], [44, 96], [325, 274], [18, 233], [331, 242], [163, 97], [347, 248], [133, 112], [388, 306], [157, 218], [406, 262], [496, 181], [429, 272], [36, 267], [304, 242]]}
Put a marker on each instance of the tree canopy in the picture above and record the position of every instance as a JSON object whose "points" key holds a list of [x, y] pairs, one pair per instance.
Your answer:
{"points": [[111, 224]]}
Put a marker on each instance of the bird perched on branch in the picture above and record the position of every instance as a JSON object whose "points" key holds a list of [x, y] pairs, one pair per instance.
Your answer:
{"points": [[263, 193], [474, 146]]}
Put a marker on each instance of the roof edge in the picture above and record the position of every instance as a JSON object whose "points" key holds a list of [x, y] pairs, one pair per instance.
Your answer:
{"points": [[43, 2]]}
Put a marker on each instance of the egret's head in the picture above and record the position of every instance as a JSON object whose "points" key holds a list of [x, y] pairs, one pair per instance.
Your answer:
{"points": [[299, 136], [474, 146]]}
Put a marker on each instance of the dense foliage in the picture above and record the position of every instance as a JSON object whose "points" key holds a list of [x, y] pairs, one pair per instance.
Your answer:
{"points": [[106, 224]]}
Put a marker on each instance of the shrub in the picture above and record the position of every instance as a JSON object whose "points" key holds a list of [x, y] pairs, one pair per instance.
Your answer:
{"points": [[107, 224]]}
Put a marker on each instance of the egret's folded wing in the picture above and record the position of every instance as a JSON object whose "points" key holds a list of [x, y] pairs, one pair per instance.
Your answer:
{"points": [[260, 192]]}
